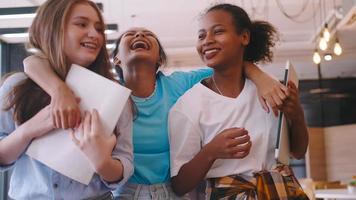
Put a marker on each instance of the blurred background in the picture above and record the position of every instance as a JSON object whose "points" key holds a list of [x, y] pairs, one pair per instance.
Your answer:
{"points": [[317, 36]]}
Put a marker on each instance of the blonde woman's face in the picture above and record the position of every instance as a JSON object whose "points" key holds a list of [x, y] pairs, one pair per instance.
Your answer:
{"points": [[83, 36]]}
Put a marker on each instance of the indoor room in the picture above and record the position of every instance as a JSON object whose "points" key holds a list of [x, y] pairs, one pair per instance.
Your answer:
{"points": [[314, 47]]}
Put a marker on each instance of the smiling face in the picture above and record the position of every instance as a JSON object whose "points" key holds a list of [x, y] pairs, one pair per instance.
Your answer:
{"points": [[83, 35], [219, 43], [138, 45]]}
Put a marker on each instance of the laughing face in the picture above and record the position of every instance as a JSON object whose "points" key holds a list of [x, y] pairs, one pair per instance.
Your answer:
{"points": [[84, 35], [219, 44], [138, 45]]}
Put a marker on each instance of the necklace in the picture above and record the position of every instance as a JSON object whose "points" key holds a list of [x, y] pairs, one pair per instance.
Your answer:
{"points": [[143, 99], [216, 86]]}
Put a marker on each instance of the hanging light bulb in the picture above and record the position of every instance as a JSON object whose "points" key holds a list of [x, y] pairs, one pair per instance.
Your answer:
{"points": [[323, 45], [316, 57], [326, 33], [337, 48], [328, 57]]}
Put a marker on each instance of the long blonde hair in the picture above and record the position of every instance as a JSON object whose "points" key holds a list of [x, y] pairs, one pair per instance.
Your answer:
{"points": [[47, 35]]}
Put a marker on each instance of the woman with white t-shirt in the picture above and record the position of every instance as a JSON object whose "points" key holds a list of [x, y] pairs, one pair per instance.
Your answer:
{"points": [[217, 128]]}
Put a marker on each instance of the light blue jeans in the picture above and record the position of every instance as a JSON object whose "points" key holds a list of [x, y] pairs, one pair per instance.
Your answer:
{"points": [[150, 192]]}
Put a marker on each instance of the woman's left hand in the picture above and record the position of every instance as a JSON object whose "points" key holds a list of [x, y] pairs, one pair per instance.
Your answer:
{"points": [[291, 106], [91, 139]]}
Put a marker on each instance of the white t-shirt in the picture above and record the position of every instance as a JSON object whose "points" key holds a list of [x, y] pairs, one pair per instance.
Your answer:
{"points": [[200, 114]]}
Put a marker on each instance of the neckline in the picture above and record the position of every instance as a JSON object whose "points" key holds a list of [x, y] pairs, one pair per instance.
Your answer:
{"points": [[241, 95], [137, 99]]}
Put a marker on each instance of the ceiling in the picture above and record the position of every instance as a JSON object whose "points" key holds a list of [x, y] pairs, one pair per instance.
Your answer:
{"points": [[174, 21]]}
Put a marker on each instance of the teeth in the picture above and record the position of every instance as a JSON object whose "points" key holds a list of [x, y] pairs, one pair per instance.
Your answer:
{"points": [[89, 45], [210, 51], [139, 44]]}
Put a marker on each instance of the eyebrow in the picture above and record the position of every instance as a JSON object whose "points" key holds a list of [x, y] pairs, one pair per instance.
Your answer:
{"points": [[145, 31], [214, 26], [85, 18], [96, 23], [128, 32], [80, 17]]}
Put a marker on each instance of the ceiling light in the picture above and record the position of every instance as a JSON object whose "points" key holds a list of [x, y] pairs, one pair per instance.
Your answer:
{"points": [[337, 48], [15, 35], [326, 33], [328, 57], [18, 16], [323, 45], [316, 57]]}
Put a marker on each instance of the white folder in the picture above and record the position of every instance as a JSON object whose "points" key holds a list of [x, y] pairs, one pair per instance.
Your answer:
{"points": [[56, 149]]}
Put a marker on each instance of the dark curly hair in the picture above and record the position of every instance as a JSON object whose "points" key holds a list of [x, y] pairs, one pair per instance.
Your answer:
{"points": [[263, 35]]}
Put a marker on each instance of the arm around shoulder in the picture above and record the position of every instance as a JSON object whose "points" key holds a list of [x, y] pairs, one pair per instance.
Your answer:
{"points": [[40, 71], [270, 90], [65, 108]]}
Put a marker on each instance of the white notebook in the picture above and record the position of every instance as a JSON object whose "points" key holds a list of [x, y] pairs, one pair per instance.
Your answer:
{"points": [[282, 145], [56, 149]]}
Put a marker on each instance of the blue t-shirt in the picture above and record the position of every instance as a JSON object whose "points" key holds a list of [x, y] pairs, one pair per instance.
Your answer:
{"points": [[150, 133]]}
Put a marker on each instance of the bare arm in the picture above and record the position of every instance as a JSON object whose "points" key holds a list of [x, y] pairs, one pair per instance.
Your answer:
{"points": [[12, 146], [300, 138], [231, 143], [64, 105], [269, 89], [191, 173], [40, 71], [281, 97], [299, 133], [111, 171]]}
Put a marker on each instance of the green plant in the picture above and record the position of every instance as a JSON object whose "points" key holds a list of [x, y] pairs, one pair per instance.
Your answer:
{"points": [[352, 183]]}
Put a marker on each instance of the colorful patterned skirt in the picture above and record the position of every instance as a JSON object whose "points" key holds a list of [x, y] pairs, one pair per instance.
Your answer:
{"points": [[276, 184]]}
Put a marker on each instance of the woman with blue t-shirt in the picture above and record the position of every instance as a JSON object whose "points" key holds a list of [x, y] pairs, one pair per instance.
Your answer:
{"points": [[139, 55]]}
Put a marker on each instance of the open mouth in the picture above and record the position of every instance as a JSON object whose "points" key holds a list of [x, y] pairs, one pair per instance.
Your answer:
{"points": [[139, 44], [210, 51], [89, 45]]}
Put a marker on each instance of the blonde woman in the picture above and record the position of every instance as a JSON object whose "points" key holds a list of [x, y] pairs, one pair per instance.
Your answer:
{"points": [[66, 32]]}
